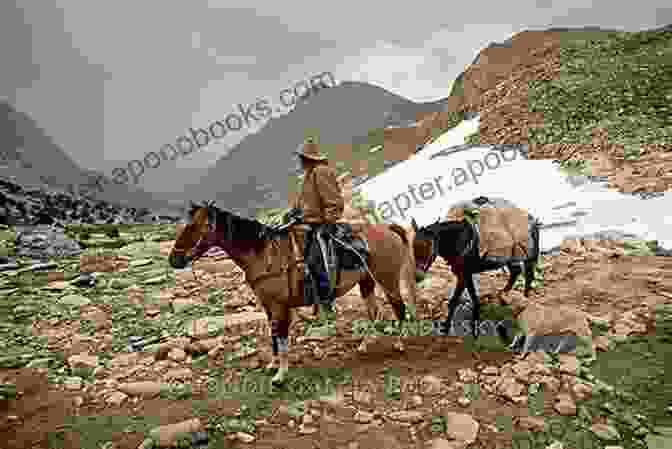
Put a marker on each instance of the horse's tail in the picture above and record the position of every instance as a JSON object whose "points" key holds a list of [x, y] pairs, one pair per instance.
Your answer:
{"points": [[407, 236]]}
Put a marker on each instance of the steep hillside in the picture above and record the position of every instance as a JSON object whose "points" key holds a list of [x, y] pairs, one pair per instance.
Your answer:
{"points": [[600, 98]]}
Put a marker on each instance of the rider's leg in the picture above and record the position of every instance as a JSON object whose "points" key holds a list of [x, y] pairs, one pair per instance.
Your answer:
{"points": [[326, 290]]}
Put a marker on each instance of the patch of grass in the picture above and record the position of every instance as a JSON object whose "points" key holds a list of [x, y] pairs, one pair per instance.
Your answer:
{"points": [[504, 424], [576, 168], [257, 394], [93, 431], [538, 280], [619, 81], [637, 365], [472, 391], [639, 247], [631, 389], [535, 394], [439, 424], [473, 139], [392, 387], [177, 392]]}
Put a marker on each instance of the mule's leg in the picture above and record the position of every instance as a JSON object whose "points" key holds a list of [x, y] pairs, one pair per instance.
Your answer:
{"points": [[530, 265], [475, 304], [455, 300], [280, 337]]}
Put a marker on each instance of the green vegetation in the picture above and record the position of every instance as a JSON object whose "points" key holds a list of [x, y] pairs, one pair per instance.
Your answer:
{"points": [[618, 81], [576, 168], [640, 247], [631, 389], [473, 139], [538, 280]]}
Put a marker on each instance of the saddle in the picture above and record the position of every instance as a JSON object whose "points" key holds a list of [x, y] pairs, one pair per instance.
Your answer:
{"points": [[338, 252], [350, 252]]}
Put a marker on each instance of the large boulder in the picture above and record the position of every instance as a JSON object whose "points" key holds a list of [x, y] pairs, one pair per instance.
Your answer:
{"points": [[45, 242]]}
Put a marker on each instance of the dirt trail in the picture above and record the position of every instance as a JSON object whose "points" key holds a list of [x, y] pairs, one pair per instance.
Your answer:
{"points": [[440, 388]]}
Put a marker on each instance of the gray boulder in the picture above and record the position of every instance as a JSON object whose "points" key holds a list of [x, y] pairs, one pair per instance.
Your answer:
{"points": [[44, 242]]}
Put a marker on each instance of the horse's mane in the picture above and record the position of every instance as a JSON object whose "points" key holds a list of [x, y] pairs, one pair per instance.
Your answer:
{"points": [[244, 233]]}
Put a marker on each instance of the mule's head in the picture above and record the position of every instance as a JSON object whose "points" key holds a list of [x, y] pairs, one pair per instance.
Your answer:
{"points": [[189, 234], [425, 245]]}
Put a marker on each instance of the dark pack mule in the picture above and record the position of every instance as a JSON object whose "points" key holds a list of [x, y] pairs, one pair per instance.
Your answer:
{"points": [[276, 277], [457, 242]]}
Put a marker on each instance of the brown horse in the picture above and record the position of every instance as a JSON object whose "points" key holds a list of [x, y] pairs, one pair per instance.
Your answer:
{"points": [[276, 278]]}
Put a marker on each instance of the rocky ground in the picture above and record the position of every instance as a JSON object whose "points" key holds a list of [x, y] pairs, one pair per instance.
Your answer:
{"points": [[21, 205], [70, 379]]}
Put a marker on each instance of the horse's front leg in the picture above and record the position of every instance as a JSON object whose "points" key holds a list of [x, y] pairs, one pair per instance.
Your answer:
{"points": [[274, 345], [280, 341]]}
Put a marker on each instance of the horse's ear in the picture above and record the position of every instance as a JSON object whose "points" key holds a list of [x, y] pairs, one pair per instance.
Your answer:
{"points": [[414, 224]]}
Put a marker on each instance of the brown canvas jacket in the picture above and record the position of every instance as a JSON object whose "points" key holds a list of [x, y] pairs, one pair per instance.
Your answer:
{"points": [[321, 198]]}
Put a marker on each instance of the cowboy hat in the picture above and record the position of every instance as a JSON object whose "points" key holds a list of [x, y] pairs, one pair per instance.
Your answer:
{"points": [[309, 149]]}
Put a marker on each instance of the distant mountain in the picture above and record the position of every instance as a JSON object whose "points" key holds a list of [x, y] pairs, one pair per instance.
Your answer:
{"points": [[343, 114], [29, 157]]}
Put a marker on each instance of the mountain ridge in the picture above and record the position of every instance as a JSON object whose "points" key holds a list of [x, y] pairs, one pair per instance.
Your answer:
{"points": [[31, 157]]}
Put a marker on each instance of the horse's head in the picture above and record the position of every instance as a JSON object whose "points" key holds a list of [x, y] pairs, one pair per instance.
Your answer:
{"points": [[211, 227], [425, 247], [187, 235]]}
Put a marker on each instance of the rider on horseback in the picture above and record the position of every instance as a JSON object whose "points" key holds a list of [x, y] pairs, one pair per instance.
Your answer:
{"points": [[321, 201]]}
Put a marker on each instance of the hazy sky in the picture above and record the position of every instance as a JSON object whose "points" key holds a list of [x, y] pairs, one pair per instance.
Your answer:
{"points": [[110, 81]]}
